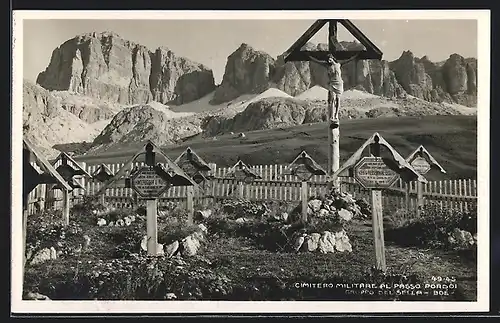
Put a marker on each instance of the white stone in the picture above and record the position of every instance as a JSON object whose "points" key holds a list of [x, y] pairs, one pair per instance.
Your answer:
{"points": [[198, 235], [330, 237], [323, 213], [203, 228], [159, 249], [343, 244], [345, 215], [37, 297], [128, 221], [204, 214], [86, 241], [189, 247], [324, 244], [315, 205], [340, 234], [170, 296], [171, 249], [53, 253], [312, 241], [41, 256], [144, 243], [299, 242]]}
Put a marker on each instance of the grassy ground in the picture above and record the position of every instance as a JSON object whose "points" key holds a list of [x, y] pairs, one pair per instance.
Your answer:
{"points": [[241, 259], [452, 140], [236, 260]]}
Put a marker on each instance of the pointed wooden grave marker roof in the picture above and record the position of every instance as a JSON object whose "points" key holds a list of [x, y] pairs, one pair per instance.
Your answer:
{"points": [[174, 169], [65, 158], [102, 168], [49, 171], [102, 173], [422, 152], [240, 165], [311, 165], [191, 156], [405, 170], [294, 53]]}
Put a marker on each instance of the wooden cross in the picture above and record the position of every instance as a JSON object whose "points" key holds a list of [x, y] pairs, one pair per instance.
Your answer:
{"points": [[294, 53]]}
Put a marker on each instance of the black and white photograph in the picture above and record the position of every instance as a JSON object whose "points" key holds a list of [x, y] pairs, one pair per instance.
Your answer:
{"points": [[246, 161]]}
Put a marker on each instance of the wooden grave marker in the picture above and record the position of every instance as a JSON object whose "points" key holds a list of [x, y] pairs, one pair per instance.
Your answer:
{"points": [[422, 161], [32, 177], [69, 169], [378, 173], [304, 167], [199, 170], [243, 174], [297, 53], [150, 182], [102, 174]]}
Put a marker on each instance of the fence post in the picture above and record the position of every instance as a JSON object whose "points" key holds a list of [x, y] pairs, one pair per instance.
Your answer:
{"points": [[248, 191], [65, 211], [407, 197], [240, 190], [420, 198], [378, 230], [304, 196], [152, 226], [190, 206]]}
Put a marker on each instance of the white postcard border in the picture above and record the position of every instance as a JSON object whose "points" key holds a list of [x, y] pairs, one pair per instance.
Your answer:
{"points": [[138, 307]]}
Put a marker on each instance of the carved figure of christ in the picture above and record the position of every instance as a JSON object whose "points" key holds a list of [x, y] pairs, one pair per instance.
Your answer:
{"points": [[335, 82]]}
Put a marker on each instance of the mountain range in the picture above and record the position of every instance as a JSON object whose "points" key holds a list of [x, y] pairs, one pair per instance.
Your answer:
{"points": [[105, 90]]}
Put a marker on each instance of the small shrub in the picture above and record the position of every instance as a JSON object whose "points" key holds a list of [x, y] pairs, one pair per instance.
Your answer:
{"points": [[87, 205], [134, 278], [175, 231], [244, 209], [46, 230], [432, 228]]}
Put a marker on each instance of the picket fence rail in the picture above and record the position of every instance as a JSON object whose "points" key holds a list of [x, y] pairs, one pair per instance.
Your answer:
{"points": [[460, 194]]}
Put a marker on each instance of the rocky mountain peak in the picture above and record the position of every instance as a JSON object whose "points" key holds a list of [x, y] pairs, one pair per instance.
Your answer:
{"points": [[101, 34], [247, 71], [109, 68]]}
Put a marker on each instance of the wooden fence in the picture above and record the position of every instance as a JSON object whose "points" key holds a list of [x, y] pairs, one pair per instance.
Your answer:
{"points": [[460, 194]]}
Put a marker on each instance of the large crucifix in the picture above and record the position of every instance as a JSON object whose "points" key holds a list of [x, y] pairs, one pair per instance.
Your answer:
{"points": [[333, 59]]}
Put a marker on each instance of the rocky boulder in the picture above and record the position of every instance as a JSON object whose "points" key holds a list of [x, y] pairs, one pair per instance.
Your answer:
{"points": [[51, 118], [336, 205], [327, 242], [266, 113], [141, 123]]}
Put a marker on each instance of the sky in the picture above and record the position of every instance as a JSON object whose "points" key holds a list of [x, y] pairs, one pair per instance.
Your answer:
{"points": [[210, 42]]}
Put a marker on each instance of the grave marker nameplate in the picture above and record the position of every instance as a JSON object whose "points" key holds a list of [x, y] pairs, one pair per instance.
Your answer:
{"points": [[373, 173], [422, 161]]}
